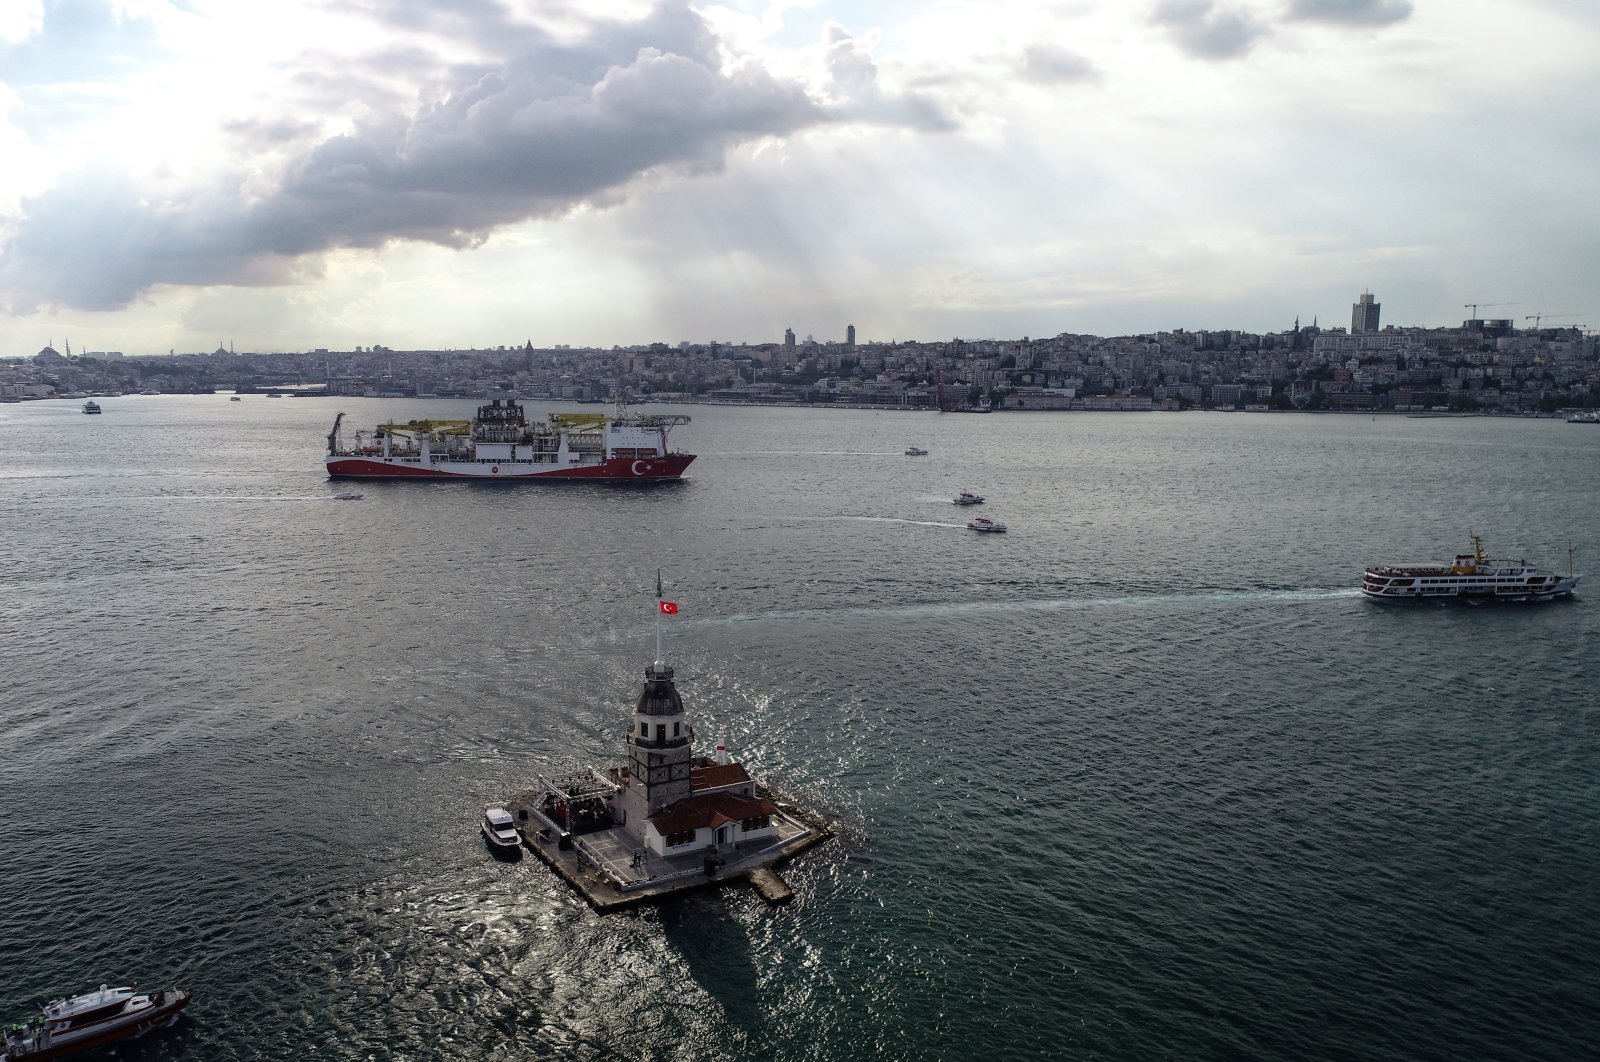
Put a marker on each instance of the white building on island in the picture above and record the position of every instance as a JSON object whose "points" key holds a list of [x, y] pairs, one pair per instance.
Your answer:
{"points": [[672, 800], [666, 820]]}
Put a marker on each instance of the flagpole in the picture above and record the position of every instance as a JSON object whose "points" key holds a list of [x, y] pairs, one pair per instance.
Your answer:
{"points": [[658, 618]]}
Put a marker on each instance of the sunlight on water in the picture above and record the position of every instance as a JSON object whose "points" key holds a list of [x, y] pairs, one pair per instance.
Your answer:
{"points": [[1147, 778]]}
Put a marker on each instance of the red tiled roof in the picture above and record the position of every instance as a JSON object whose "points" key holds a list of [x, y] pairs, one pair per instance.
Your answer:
{"points": [[715, 809], [717, 775]]}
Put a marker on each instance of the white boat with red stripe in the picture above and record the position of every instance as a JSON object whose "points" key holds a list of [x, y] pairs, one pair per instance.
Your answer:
{"points": [[501, 443]]}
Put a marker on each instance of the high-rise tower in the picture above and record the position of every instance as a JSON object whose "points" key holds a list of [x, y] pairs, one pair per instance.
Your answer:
{"points": [[850, 337], [1364, 314]]}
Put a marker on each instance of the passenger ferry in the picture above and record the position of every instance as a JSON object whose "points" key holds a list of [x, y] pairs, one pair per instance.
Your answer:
{"points": [[1473, 576]]}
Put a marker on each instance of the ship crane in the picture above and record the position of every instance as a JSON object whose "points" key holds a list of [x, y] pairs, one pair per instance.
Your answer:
{"points": [[427, 427]]}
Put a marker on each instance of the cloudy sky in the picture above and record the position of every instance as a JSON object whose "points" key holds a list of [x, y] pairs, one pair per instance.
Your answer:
{"points": [[287, 174]]}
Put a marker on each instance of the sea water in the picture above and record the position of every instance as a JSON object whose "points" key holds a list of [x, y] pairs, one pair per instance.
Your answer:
{"points": [[1144, 777]]}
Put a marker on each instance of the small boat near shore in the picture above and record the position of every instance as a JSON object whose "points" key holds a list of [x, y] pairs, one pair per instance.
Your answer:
{"points": [[1470, 577], [72, 1024]]}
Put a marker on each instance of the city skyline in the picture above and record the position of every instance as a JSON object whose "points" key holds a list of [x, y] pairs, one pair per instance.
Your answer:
{"points": [[1363, 311], [654, 172]]}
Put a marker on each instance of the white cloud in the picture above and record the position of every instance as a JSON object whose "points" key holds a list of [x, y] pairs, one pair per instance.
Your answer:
{"points": [[321, 172], [20, 19]]}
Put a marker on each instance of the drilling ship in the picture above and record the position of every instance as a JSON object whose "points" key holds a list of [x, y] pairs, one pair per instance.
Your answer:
{"points": [[502, 443]]}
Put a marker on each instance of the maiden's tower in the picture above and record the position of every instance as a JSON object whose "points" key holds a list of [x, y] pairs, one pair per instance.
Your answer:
{"points": [[667, 819]]}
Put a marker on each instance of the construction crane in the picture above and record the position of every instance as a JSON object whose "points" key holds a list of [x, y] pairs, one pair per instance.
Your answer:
{"points": [[1537, 317], [1473, 306]]}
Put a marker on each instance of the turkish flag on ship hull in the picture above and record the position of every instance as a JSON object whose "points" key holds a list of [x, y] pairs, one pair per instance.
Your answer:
{"points": [[669, 608]]}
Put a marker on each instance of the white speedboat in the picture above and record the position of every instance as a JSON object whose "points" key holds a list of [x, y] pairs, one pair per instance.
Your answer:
{"points": [[916, 451], [986, 525], [105, 1016], [966, 497], [500, 831], [1471, 577]]}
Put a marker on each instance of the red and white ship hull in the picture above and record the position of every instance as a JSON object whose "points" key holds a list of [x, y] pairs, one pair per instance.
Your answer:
{"points": [[667, 466]]}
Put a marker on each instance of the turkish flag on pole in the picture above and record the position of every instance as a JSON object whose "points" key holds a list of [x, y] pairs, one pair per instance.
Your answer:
{"points": [[669, 608]]}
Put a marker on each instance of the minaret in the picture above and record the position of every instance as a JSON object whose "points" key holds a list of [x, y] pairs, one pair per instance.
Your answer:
{"points": [[658, 747]]}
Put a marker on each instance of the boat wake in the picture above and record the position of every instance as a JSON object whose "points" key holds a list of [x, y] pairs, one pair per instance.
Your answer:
{"points": [[894, 520], [944, 609], [807, 453], [1310, 595]]}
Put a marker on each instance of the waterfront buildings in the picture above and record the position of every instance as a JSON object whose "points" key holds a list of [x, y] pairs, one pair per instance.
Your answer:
{"points": [[1483, 364]]}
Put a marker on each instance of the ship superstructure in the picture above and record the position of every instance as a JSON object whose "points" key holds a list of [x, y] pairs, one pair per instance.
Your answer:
{"points": [[502, 443], [1471, 576]]}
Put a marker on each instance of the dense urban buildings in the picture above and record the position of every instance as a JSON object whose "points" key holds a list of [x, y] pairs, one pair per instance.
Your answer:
{"points": [[1483, 365]]}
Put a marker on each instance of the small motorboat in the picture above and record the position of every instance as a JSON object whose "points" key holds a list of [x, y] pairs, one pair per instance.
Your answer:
{"points": [[916, 451], [235, 398], [984, 524], [348, 495], [500, 831], [91, 406], [108, 1015], [966, 497]]}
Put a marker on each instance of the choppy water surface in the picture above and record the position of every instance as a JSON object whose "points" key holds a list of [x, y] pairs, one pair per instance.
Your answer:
{"points": [[1142, 778]]}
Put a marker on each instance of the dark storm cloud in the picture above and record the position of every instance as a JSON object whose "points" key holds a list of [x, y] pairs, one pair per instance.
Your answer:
{"points": [[1207, 31], [514, 146], [1351, 12], [94, 242], [1048, 65], [550, 127]]}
